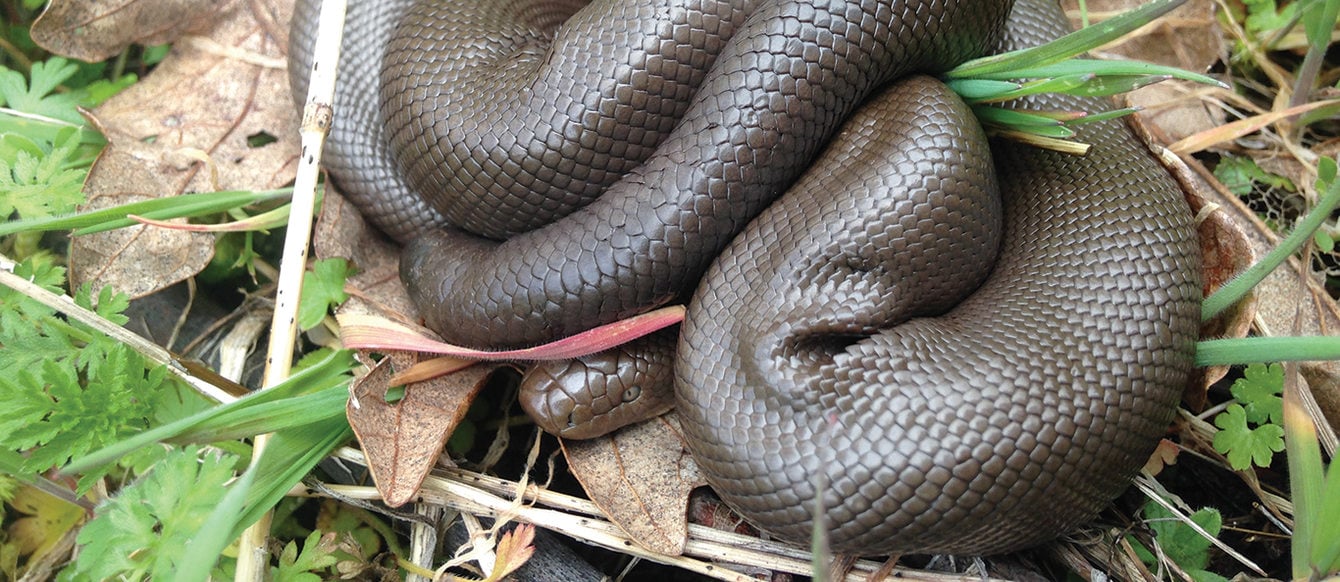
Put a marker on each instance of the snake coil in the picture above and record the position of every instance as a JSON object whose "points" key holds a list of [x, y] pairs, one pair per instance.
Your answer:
{"points": [[950, 347]]}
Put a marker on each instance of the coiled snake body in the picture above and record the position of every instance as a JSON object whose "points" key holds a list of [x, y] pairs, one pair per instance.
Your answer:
{"points": [[861, 343]]}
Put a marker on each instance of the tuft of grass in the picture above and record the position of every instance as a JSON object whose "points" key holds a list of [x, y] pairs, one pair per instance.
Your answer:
{"points": [[1056, 67]]}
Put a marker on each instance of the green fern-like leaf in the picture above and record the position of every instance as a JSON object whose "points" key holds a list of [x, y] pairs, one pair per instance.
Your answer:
{"points": [[143, 531]]}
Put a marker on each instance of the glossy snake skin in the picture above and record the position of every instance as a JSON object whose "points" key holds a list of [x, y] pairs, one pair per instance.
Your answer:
{"points": [[954, 347]]}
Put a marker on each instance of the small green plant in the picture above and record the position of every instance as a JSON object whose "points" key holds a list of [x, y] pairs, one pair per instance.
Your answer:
{"points": [[1178, 542], [1241, 175], [1056, 67], [315, 562], [69, 389], [1252, 427], [143, 531], [322, 289]]}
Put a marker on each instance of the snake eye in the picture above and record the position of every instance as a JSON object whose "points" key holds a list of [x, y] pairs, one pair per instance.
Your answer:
{"points": [[632, 393]]}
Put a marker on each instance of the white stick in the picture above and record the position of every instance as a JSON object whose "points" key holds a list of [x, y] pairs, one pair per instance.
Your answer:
{"points": [[252, 559]]}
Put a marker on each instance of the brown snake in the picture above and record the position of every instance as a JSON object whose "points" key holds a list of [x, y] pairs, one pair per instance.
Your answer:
{"points": [[860, 343]]}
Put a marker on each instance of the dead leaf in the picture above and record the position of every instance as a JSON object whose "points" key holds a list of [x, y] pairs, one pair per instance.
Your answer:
{"points": [[1164, 454], [1187, 38], [136, 260], [40, 521], [402, 440], [1225, 253], [640, 476], [214, 115], [97, 31], [513, 551]]}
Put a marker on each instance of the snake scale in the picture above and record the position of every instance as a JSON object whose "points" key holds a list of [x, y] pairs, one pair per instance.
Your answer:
{"points": [[951, 347]]}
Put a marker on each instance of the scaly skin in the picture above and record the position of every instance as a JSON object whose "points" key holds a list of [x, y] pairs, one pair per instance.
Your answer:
{"points": [[848, 345]]}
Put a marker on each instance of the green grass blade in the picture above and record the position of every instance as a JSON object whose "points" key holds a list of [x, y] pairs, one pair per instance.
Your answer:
{"points": [[265, 417], [289, 455], [1062, 84], [1100, 68], [330, 369], [1305, 480], [1104, 116], [1326, 546], [1239, 286], [1117, 84], [185, 205], [1260, 350], [978, 90], [1065, 47], [1015, 117]]}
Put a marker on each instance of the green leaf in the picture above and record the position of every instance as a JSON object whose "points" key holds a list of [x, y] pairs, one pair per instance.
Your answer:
{"points": [[1265, 15], [322, 288], [1245, 446], [319, 552], [37, 186], [1259, 391], [1182, 545], [1240, 174], [1325, 241], [143, 531], [35, 96]]}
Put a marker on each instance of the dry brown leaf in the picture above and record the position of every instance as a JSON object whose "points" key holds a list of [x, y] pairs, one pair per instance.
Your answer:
{"points": [[640, 476], [1164, 454], [402, 440], [1187, 38], [97, 31], [189, 127], [1225, 253], [138, 260]]}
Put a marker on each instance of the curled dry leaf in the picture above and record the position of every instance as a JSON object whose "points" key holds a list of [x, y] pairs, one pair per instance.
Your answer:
{"points": [[97, 31], [1164, 454], [210, 117], [640, 476], [402, 440], [1225, 253]]}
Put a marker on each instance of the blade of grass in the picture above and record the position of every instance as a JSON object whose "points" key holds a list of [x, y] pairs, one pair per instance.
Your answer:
{"points": [[1060, 84], [288, 457], [1239, 286], [1104, 116], [1065, 47], [1305, 480], [1060, 145], [185, 205], [1100, 68], [330, 371], [976, 90], [1260, 350]]}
